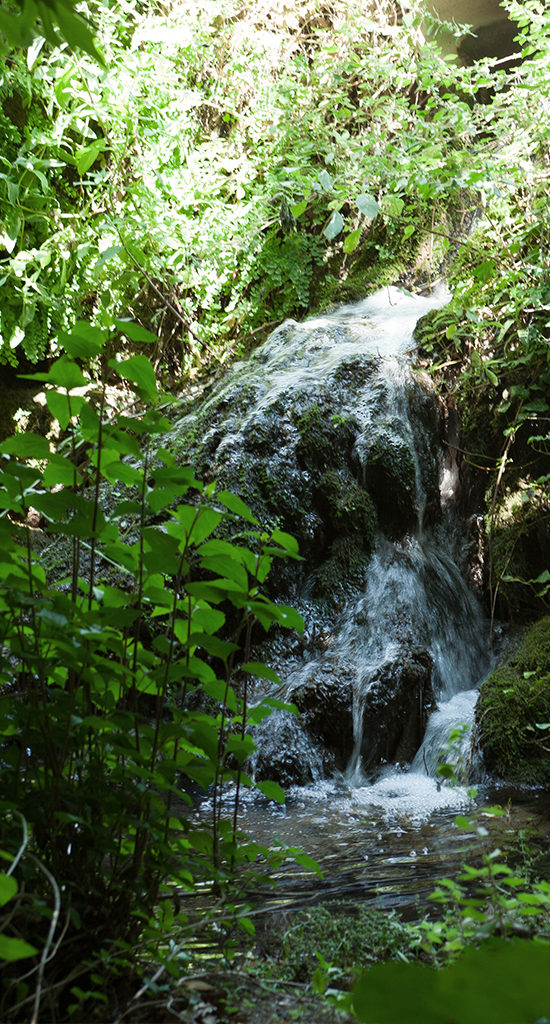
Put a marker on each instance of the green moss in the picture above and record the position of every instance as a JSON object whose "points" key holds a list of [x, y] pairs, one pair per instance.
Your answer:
{"points": [[323, 436], [519, 536], [355, 372], [344, 937], [343, 571], [512, 702], [348, 507]]}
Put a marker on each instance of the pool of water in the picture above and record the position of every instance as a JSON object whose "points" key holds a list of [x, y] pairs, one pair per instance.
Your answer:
{"points": [[388, 843]]}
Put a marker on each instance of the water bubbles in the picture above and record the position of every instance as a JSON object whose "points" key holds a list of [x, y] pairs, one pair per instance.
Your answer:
{"points": [[409, 798]]}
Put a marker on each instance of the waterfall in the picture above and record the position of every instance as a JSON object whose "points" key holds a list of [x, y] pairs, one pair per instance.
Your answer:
{"points": [[328, 430]]}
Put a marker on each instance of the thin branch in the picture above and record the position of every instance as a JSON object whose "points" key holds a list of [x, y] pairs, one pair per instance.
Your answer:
{"points": [[49, 940], [24, 843]]}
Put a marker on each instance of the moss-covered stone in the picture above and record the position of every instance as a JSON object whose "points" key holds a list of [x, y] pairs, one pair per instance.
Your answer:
{"points": [[513, 702], [315, 436], [323, 435], [390, 475], [344, 569], [347, 507], [519, 537]]}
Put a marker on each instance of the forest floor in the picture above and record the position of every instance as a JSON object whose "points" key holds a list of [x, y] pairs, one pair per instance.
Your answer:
{"points": [[223, 996]]}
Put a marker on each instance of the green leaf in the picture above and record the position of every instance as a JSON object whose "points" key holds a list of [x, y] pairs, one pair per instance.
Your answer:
{"points": [[87, 156], [63, 373], [368, 205], [139, 370], [236, 505], [502, 982], [161, 554], [306, 861], [75, 30], [26, 446], [8, 888], [83, 341], [228, 568], [352, 240], [135, 332], [257, 668], [272, 790], [60, 471], [325, 180], [299, 209], [393, 205], [59, 406], [197, 524], [289, 617], [280, 705], [15, 949], [334, 226], [484, 271], [287, 541]]}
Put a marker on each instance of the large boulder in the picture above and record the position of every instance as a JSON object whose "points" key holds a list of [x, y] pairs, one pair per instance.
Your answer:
{"points": [[314, 433], [513, 711], [398, 704], [397, 701], [325, 703]]}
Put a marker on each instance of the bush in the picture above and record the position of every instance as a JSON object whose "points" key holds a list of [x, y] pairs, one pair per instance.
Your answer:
{"points": [[124, 684]]}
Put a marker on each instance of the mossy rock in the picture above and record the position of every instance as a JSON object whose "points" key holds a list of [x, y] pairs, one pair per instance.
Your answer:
{"points": [[513, 702], [344, 571], [519, 534], [323, 436], [347, 507], [317, 440], [390, 475]]}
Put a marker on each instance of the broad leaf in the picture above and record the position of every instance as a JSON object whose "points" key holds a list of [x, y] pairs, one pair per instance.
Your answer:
{"points": [[272, 790], [334, 226], [368, 205], [139, 370]]}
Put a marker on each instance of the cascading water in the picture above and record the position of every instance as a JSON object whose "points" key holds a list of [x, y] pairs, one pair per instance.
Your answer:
{"points": [[415, 629], [327, 430]]}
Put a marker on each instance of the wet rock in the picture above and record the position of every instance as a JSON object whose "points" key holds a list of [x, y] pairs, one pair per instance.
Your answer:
{"points": [[398, 703], [343, 571], [286, 753], [326, 713], [397, 706], [314, 433], [391, 478]]}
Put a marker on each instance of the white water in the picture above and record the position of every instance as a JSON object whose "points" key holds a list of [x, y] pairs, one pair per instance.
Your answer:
{"points": [[415, 595]]}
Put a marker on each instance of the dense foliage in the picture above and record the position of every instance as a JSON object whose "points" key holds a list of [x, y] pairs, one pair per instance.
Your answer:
{"points": [[489, 347], [103, 738], [228, 166], [204, 170]]}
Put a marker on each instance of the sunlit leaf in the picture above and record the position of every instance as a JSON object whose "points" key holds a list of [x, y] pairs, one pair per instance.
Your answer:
{"points": [[368, 205], [139, 370], [334, 226], [352, 240]]}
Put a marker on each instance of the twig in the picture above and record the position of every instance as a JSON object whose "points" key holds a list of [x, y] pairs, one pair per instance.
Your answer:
{"points": [[23, 846], [49, 939], [493, 591]]}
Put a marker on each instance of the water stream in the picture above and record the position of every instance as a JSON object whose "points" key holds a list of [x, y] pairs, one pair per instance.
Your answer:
{"points": [[387, 673]]}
